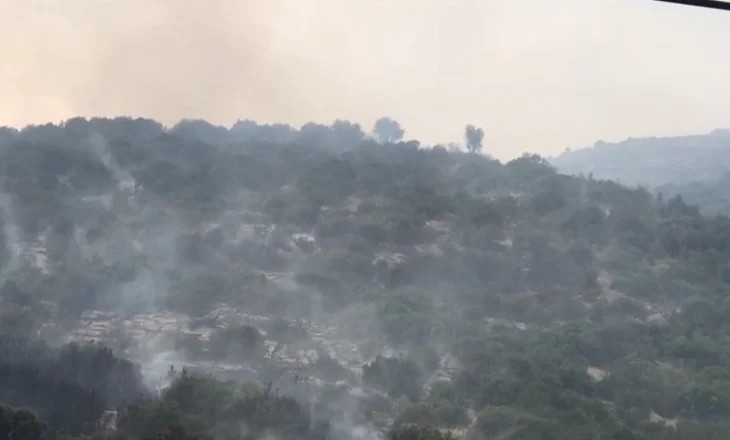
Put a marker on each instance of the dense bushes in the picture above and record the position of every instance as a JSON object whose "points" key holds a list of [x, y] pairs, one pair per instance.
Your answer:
{"points": [[573, 308]]}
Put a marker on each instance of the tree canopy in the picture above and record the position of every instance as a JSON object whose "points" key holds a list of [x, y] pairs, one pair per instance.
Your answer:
{"points": [[481, 299]]}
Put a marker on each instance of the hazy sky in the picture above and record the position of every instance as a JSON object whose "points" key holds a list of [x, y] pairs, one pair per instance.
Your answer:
{"points": [[537, 75]]}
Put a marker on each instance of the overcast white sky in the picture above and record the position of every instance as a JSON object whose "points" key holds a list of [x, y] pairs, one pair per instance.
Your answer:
{"points": [[537, 75]]}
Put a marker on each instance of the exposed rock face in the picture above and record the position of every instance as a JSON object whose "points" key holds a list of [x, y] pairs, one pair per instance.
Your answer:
{"points": [[303, 359], [141, 335], [597, 374], [109, 420]]}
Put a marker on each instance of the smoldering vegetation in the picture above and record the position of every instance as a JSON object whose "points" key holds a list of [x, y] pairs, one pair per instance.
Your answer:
{"points": [[265, 281]]}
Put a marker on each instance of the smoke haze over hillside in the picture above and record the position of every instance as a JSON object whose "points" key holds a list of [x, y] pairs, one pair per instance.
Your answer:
{"points": [[536, 75]]}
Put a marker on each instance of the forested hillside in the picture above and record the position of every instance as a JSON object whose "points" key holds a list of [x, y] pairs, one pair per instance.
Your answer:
{"points": [[712, 196], [270, 282], [652, 162]]}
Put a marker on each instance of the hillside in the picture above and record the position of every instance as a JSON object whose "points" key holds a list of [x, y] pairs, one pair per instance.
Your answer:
{"points": [[653, 161], [712, 196], [268, 282]]}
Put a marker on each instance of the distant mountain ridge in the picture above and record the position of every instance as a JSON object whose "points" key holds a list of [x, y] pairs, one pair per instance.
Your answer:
{"points": [[652, 161]]}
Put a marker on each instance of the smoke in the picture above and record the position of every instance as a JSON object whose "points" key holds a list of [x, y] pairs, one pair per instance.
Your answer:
{"points": [[156, 368], [585, 70], [10, 236], [574, 72], [100, 148], [328, 354], [174, 60]]}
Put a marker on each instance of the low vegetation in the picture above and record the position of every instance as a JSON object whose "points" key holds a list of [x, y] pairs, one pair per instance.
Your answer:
{"points": [[567, 307]]}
